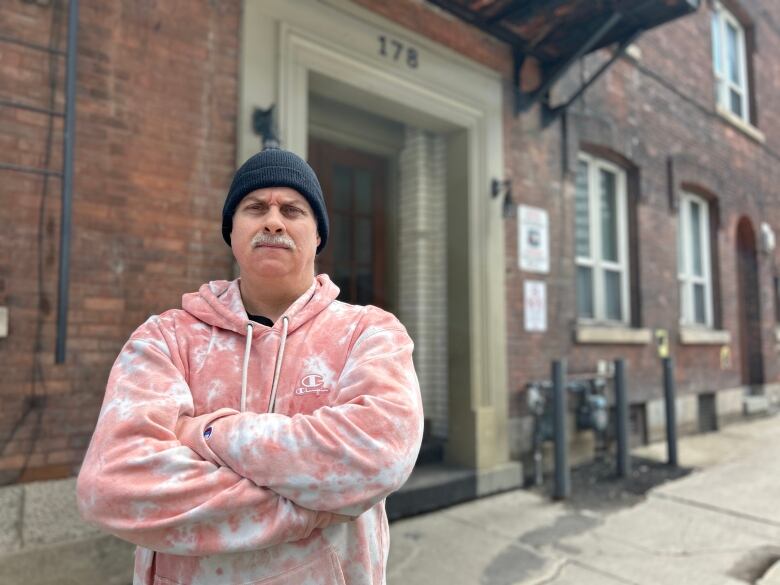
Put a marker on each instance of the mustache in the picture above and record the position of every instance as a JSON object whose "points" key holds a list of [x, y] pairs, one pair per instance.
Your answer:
{"points": [[263, 239]]}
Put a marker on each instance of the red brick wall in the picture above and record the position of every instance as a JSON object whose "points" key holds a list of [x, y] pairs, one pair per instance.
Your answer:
{"points": [[155, 150], [442, 27], [646, 111], [156, 147]]}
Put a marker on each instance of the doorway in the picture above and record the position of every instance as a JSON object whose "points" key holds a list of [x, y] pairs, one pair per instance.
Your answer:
{"points": [[752, 359], [354, 184]]}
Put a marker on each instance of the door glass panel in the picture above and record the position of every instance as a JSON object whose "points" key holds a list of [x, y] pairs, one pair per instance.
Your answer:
{"points": [[612, 298], [363, 251], [585, 292], [365, 287], [582, 212], [609, 227], [343, 279], [341, 232], [363, 199], [342, 188]]}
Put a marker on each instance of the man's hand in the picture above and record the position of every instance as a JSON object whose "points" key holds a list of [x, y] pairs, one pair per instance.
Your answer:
{"points": [[193, 432]]}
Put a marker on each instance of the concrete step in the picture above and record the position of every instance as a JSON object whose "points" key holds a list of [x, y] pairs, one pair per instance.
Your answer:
{"points": [[436, 486], [431, 487]]}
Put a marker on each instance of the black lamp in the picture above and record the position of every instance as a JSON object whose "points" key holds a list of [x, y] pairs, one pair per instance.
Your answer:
{"points": [[264, 124]]}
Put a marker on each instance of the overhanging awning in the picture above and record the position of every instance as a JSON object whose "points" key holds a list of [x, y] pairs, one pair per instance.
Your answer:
{"points": [[556, 33]]}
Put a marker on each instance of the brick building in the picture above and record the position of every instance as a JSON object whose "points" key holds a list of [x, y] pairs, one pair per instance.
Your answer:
{"points": [[657, 188]]}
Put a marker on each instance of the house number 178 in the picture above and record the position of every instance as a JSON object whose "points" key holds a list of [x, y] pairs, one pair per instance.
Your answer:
{"points": [[397, 51]]}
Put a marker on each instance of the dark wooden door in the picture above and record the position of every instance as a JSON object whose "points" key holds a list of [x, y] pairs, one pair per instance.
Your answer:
{"points": [[354, 185], [752, 360]]}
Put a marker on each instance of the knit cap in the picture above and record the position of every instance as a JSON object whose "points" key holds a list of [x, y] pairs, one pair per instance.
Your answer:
{"points": [[274, 167]]}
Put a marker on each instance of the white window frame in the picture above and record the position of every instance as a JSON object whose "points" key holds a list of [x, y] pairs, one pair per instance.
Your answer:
{"points": [[595, 262], [721, 17], [687, 279]]}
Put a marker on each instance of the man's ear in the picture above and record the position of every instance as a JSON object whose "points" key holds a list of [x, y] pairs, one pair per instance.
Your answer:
{"points": [[318, 241]]}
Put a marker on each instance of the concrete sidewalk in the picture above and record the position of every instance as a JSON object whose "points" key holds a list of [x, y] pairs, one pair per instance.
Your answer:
{"points": [[718, 526]]}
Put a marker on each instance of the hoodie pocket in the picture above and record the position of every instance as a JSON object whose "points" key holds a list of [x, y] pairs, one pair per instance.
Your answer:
{"points": [[324, 569]]}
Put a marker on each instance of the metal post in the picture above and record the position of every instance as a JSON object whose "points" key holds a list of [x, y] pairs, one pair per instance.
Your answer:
{"points": [[67, 180], [671, 411], [562, 488], [621, 423]]}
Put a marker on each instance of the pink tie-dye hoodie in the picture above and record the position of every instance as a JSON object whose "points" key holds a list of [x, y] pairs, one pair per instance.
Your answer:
{"points": [[235, 453]]}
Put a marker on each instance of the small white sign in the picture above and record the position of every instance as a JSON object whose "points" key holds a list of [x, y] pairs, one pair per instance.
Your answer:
{"points": [[533, 235], [535, 296]]}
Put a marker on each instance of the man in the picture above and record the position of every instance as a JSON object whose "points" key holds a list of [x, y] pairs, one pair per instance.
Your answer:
{"points": [[253, 435]]}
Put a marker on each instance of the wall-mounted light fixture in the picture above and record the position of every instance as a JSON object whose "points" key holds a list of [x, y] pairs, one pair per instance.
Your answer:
{"points": [[264, 124], [498, 188]]}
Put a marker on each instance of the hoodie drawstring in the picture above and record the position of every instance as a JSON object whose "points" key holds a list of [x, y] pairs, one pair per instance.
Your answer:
{"points": [[277, 368], [245, 368]]}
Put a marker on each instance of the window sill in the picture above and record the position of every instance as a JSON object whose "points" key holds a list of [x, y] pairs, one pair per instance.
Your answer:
{"points": [[745, 127], [697, 336], [615, 335]]}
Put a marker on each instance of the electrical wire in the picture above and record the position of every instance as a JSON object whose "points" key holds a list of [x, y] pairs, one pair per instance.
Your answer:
{"points": [[35, 400]]}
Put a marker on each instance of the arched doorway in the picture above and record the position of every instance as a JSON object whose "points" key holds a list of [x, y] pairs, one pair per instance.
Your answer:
{"points": [[752, 359]]}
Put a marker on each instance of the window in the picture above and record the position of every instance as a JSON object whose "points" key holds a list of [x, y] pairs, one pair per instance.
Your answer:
{"points": [[693, 261], [601, 241], [729, 62]]}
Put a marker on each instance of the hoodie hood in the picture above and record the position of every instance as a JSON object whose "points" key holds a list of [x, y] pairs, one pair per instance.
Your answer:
{"points": [[219, 303]]}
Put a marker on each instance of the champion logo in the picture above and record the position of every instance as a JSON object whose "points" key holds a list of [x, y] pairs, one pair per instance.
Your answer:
{"points": [[311, 384]]}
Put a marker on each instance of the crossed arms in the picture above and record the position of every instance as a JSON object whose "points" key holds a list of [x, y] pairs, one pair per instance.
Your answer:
{"points": [[261, 479]]}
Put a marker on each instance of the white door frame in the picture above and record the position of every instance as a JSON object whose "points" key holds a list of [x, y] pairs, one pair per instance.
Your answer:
{"points": [[447, 93]]}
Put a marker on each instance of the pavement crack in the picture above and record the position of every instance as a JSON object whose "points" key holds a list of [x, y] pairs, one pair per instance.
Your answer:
{"points": [[716, 509], [613, 576], [671, 553]]}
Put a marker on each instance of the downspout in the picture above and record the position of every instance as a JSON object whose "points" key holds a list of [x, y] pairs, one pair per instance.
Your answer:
{"points": [[67, 180]]}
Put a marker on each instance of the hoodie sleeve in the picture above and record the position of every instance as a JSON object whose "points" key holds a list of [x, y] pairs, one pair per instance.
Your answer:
{"points": [[343, 458], [141, 484]]}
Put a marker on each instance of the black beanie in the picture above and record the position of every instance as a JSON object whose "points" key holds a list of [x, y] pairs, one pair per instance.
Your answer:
{"points": [[274, 167]]}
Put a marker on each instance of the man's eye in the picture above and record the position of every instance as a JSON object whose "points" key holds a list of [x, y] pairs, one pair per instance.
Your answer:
{"points": [[292, 210]]}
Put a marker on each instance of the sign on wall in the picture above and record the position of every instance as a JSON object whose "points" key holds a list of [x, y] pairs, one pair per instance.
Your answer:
{"points": [[533, 235], [535, 296]]}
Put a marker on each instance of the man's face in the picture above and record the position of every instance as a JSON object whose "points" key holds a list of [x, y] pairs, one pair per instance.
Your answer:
{"points": [[274, 233]]}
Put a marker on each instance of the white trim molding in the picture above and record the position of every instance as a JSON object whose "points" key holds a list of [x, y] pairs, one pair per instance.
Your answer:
{"points": [[741, 125], [612, 335], [292, 48], [701, 336]]}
